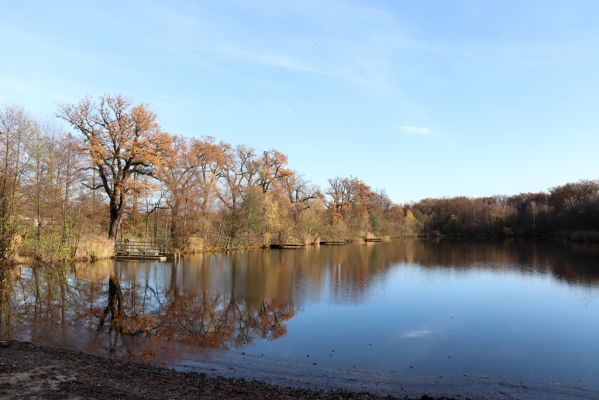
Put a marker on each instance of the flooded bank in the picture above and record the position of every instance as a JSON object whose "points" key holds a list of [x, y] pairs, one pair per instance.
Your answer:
{"points": [[449, 317]]}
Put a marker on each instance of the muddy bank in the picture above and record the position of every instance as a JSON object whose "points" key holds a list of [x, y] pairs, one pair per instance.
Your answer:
{"points": [[33, 372]]}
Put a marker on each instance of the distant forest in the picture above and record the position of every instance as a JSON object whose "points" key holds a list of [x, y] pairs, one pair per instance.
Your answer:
{"points": [[119, 175]]}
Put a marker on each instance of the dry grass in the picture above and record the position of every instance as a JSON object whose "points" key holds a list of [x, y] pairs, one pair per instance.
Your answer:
{"points": [[94, 247], [195, 244]]}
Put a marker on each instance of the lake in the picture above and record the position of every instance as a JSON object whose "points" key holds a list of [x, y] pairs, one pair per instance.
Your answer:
{"points": [[402, 317]]}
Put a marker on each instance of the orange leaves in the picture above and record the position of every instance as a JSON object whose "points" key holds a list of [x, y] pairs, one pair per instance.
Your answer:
{"points": [[272, 169], [143, 120], [189, 170], [189, 162], [119, 138], [122, 140]]}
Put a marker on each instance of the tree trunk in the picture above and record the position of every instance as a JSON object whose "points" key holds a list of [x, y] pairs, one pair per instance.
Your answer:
{"points": [[115, 221], [117, 209], [176, 234]]}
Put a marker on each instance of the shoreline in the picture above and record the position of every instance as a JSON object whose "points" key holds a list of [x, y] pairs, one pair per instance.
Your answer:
{"points": [[29, 371], [575, 237], [50, 371]]}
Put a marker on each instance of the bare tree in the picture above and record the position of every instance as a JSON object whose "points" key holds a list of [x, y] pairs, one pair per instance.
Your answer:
{"points": [[16, 127]]}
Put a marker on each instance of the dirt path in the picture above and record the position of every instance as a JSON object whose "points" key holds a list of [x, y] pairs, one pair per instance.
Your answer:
{"points": [[33, 372]]}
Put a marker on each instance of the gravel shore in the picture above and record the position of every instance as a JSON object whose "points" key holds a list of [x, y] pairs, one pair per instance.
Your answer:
{"points": [[29, 371]]}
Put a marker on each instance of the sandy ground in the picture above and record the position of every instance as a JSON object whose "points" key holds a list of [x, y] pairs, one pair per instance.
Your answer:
{"points": [[33, 372]]}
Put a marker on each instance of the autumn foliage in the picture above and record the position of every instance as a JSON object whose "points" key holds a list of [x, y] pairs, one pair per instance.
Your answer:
{"points": [[117, 173]]}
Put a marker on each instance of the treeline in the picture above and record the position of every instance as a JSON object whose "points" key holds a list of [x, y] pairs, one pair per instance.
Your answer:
{"points": [[119, 175], [571, 210]]}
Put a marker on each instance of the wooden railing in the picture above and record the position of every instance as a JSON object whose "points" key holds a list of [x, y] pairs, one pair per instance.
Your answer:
{"points": [[129, 248]]}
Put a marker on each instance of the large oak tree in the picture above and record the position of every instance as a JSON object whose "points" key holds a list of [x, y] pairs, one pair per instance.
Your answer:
{"points": [[122, 140]]}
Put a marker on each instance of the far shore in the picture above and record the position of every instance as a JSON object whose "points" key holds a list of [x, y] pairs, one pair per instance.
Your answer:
{"points": [[589, 237]]}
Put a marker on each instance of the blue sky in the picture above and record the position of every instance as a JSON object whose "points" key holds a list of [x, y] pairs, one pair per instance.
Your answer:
{"points": [[419, 98]]}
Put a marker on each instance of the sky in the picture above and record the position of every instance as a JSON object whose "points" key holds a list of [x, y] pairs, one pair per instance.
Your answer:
{"points": [[417, 98]]}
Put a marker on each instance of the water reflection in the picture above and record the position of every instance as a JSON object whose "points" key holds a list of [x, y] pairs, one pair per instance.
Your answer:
{"points": [[224, 301], [574, 263]]}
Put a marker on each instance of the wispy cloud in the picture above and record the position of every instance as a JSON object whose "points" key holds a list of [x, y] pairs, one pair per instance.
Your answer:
{"points": [[271, 59], [416, 333], [346, 42], [415, 130]]}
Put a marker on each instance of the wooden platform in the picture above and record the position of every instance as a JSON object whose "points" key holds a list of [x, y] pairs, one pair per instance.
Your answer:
{"points": [[334, 242], [140, 257], [287, 246], [129, 250]]}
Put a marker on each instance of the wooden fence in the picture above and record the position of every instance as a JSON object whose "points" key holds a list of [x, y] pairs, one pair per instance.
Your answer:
{"points": [[142, 249]]}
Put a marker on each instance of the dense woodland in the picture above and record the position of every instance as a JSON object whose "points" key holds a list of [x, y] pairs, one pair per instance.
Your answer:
{"points": [[570, 210], [109, 171]]}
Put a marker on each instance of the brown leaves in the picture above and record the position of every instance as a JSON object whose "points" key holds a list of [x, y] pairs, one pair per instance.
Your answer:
{"points": [[121, 140]]}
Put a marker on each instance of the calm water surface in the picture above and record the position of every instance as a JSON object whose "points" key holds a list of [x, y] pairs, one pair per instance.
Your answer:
{"points": [[522, 310]]}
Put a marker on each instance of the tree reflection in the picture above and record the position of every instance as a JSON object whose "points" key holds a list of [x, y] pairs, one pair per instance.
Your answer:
{"points": [[223, 301], [114, 308], [203, 319]]}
